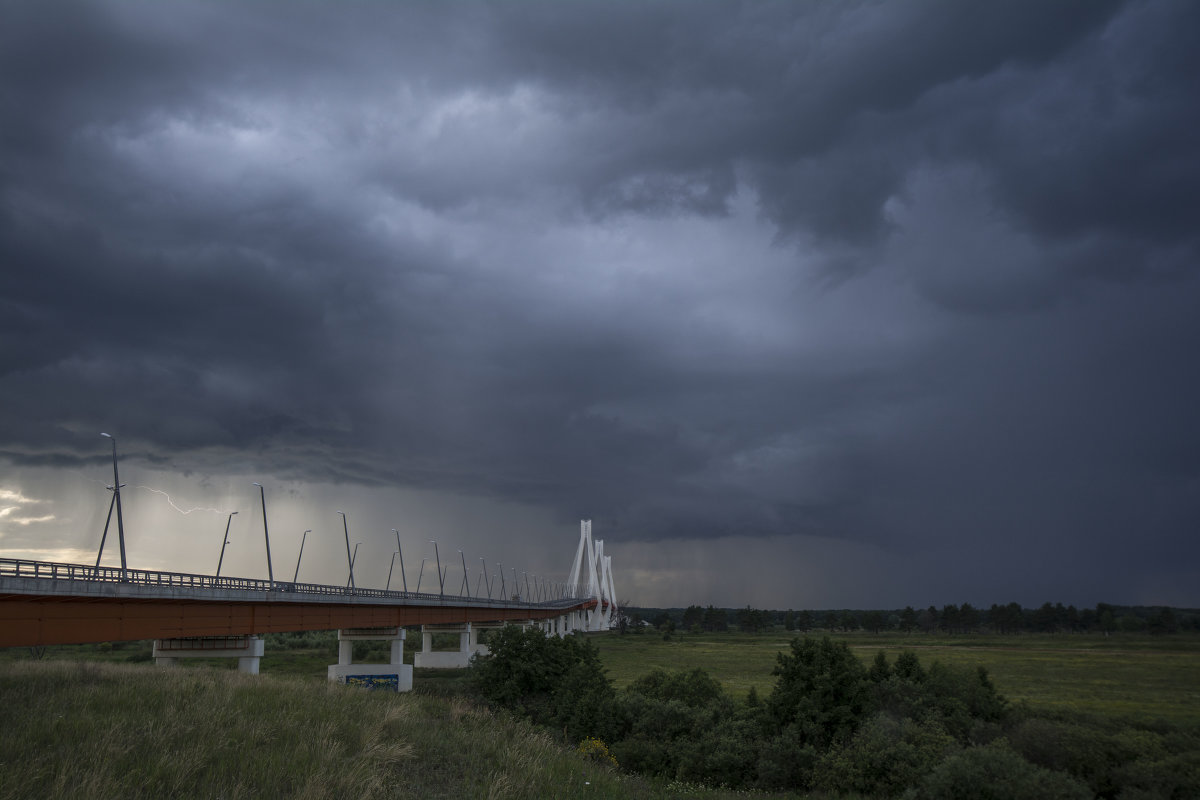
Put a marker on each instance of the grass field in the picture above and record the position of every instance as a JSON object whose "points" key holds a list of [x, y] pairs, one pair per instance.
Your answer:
{"points": [[1134, 677], [111, 730], [129, 729], [1128, 676]]}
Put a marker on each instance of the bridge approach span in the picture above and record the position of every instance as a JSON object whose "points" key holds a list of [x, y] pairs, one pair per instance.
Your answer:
{"points": [[44, 603]]}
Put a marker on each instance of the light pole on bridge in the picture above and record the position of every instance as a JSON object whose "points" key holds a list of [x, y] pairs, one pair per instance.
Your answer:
{"points": [[391, 566], [441, 578], [224, 541], [349, 558], [403, 577], [296, 577], [262, 493], [353, 558], [466, 582], [116, 487]]}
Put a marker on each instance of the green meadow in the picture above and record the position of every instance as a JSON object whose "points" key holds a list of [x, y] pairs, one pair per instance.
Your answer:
{"points": [[98, 730], [102, 721], [1134, 677]]}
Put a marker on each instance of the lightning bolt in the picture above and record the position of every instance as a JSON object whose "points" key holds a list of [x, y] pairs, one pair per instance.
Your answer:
{"points": [[177, 508]]}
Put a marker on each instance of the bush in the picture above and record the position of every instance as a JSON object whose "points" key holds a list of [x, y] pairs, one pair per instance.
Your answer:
{"points": [[822, 692], [996, 773], [885, 757], [525, 670]]}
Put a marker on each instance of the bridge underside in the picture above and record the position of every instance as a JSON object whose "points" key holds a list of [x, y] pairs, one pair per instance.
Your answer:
{"points": [[34, 620]]}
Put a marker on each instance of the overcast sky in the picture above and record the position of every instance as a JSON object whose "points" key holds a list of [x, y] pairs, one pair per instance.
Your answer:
{"points": [[805, 305]]}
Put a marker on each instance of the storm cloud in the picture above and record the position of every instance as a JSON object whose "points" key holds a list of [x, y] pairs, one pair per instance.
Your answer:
{"points": [[917, 280]]}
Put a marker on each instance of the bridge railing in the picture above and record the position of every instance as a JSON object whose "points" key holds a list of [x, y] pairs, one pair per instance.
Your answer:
{"points": [[49, 570]]}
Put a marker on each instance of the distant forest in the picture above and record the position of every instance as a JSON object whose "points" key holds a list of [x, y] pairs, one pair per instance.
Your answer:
{"points": [[949, 619]]}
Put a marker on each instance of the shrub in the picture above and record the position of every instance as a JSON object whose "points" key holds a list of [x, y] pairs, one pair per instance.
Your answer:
{"points": [[526, 668], [822, 691], [996, 773], [885, 757]]}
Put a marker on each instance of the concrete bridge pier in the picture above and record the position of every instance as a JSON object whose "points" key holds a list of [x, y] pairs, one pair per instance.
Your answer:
{"points": [[395, 675], [429, 658], [246, 649]]}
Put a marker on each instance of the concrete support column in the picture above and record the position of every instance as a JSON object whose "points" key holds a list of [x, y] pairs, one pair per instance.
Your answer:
{"points": [[246, 649], [395, 675], [426, 640]]}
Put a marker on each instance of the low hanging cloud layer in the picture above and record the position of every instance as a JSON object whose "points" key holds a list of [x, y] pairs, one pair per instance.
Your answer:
{"points": [[911, 280]]}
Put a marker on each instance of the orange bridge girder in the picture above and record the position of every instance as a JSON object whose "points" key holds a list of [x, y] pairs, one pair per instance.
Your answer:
{"points": [[34, 620]]}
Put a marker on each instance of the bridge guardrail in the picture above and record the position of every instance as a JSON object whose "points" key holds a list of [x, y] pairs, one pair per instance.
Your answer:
{"points": [[50, 570]]}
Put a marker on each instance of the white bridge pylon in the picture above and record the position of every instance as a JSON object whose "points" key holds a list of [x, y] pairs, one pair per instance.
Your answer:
{"points": [[596, 568]]}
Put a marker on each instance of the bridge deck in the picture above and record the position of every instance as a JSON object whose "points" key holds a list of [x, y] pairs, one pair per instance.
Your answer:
{"points": [[43, 603]]}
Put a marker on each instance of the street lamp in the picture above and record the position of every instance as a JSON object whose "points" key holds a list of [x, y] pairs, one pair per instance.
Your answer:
{"points": [[503, 586], [466, 583], [349, 558], [388, 588], [266, 537], [483, 574], [353, 558], [302, 538], [224, 541], [403, 577], [116, 488], [420, 575], [441, 578]]}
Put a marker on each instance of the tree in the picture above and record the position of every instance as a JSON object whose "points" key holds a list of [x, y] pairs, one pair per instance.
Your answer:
{"points": [[751, 620], [908, 619], [789, 620], [928, 619], [716, 619], [525, 669], [693, 617], [950, 622], [996, 772], [1163, 621], [968, 618], [822, 692]]}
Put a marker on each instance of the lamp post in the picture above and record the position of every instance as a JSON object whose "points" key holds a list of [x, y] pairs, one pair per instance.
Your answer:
{"points": [[503, 586], [224, 541], [441, 578], [302, 538], [483, 574], [262, 493], [466, 583], [403, 577], [353, 558], [420, 575], [349, 558], [116, 487], [388, 588]]}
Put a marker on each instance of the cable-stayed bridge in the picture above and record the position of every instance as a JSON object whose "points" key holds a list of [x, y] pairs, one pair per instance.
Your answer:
{"points": [[44, 603]]}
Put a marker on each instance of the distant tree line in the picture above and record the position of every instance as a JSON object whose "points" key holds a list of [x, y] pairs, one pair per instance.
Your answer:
{"points": [[949, 619], [831, 725]]}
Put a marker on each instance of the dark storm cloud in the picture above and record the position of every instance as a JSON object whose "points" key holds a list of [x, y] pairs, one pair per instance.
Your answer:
{"points": [[898, 273]]}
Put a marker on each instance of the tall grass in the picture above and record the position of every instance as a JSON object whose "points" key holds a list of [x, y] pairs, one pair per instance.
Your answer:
{"points": [[105, 730]]}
